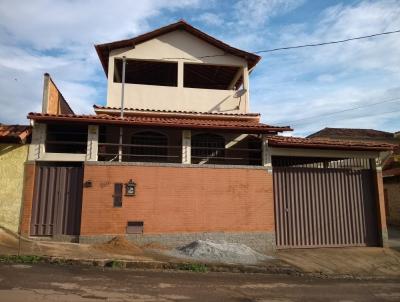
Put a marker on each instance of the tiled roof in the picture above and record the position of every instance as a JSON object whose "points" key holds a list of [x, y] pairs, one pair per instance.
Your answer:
{"points": [[103, 50], [100, 108], [298, 142], [352, 133], [14, 133], [182, 122], [391, 172]]}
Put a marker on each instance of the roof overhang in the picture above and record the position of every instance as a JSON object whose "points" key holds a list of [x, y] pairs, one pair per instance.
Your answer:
{"points": [[326, 144], [176, 113], [182, 122], [103, 50]]}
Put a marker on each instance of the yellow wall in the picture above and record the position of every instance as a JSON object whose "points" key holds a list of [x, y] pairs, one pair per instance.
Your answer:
{"points": [[12, 158]]}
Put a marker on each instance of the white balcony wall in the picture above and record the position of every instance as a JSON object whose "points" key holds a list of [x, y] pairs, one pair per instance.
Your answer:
{"points": [[178, 46]]}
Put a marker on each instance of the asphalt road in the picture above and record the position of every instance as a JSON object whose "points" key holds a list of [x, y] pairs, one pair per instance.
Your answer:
{"points": [[73, 283]]}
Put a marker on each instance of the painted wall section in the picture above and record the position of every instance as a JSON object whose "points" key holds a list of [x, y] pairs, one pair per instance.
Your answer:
{"points": [[12, 158], [53, 101], [27, 198], [178, 46], [178, 199]]}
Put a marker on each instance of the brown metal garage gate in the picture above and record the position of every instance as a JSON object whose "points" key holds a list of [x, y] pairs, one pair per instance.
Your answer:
{"points": [[324, 202], [57, 202]]}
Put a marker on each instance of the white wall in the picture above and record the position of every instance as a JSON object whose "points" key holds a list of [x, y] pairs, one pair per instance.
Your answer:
{"points": [[178, 46]]}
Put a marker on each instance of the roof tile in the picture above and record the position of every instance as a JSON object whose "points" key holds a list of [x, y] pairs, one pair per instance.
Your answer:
{"points": [[298, 142]]}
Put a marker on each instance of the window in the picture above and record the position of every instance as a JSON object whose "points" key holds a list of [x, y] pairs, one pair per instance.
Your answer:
{"points": [[211, 76], [207, 147], [147, 72], [149, 146], [117, 197], [66, 138]]}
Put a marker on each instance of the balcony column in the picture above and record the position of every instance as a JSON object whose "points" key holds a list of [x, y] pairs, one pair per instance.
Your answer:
{"points": [[180, 74], [186, 146], [92, 143], [266, 154], [246, 86], [37, 146]]}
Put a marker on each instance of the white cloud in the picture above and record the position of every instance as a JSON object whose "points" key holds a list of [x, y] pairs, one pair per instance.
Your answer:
{"points": [[210, 19], [57, 37], [255, 13], [320, 80]]}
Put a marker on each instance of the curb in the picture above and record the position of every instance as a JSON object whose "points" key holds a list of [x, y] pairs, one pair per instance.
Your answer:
{"points": [[278, 269]]}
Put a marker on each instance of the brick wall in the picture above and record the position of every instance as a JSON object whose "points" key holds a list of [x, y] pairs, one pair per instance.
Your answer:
{"points": [[27, 196], [179, 199]]}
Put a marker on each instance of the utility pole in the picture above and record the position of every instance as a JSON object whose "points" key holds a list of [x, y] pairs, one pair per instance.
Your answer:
{"points": [[121, 131]]}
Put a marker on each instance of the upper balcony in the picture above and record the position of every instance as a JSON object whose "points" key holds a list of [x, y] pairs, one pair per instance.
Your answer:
{"points": [[173, 72]]}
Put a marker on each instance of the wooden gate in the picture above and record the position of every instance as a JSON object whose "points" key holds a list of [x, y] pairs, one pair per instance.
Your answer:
{"points": [[57, 203], [324, 203]]}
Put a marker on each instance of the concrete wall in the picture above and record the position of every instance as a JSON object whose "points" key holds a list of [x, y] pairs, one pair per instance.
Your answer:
{"points": [[173, 199], [12, 158], [392, 189], [178, 46]]}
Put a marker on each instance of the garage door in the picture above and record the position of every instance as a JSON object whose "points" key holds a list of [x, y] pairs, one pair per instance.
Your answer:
{"points": [[324, 202], [56, 208]]}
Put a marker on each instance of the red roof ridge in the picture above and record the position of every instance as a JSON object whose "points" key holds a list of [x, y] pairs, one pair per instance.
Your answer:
{"points": [[177, 111], [104, 49]]}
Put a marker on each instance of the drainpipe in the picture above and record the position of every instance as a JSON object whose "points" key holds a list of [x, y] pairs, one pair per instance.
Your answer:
{"points": [[122, 108]]}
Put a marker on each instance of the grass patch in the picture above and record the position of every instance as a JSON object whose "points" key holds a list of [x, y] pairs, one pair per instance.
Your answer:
{"points": [[115, 264], [193, 267], [25, 259]]}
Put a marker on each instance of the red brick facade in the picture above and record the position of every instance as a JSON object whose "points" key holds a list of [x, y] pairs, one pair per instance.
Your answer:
{"points": [[177, 199]]}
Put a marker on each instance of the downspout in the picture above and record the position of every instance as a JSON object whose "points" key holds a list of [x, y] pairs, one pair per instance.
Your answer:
{"points": [[121, 132]]}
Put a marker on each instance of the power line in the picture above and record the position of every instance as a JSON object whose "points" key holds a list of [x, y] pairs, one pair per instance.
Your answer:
{"points": [[328, 43], [369, 115], [299, 46], [313, 44], [341, 111]]}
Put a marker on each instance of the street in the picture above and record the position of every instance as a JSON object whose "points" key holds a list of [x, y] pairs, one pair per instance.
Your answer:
{"points": [[44, 282]]}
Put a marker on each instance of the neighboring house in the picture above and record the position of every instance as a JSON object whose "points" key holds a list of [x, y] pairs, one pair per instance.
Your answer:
{"points": [[13, 155], [390, 162], [184, 158]]}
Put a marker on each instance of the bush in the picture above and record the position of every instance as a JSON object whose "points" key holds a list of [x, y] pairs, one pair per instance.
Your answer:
{"points": [[194, 267]]}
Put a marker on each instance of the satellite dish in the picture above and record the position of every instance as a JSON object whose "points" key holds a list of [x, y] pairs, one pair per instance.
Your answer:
{"points": [[239, 93]]}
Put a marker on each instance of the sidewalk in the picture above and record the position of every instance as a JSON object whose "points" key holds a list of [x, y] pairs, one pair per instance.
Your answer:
{"points": [[328, 262]]}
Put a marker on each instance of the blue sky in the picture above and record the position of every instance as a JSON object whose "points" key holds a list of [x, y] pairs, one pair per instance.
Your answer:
{"points": [[296, 87]]}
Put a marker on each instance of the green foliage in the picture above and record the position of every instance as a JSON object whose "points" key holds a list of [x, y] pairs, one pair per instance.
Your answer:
{"points": [[115, 264], [194, 267], [26, 259]]}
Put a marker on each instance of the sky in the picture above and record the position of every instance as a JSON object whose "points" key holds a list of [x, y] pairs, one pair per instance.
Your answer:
{"points": [[303, 88]]}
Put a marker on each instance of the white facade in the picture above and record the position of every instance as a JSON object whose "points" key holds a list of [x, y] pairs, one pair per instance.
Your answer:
{"points": [[181, 47]]}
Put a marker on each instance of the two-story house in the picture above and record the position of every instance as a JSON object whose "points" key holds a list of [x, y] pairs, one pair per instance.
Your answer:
{"points": [[176, 155]]}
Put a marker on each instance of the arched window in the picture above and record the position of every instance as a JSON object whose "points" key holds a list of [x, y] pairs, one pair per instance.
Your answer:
{"points": [[149, 146], [208, 148]]}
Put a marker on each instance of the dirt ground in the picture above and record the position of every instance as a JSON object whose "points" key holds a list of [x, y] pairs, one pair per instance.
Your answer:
{"points": [[44, 282], [328, 261], [369, 261], [118, 248]]}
